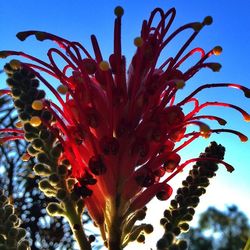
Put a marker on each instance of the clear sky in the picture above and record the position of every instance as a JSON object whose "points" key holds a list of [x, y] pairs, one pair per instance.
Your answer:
{"points": [[78, 19]]}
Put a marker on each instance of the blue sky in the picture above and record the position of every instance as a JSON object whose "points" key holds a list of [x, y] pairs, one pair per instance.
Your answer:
{"points": [[78, 19]]}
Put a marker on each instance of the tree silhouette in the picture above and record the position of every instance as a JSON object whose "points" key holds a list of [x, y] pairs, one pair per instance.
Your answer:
{"points": [[220, 230], [20, 184]]}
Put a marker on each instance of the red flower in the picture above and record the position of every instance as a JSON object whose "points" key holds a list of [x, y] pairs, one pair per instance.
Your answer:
{"points": [[120, 125]]}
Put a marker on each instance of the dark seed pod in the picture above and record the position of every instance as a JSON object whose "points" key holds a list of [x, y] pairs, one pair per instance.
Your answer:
{"points": [[29, 136], [46, 116], [40, 95], [96, 165], [43, 158], [32, 151], [37, 144], [183, 245], [91, 238], [44, 134], [24, 116], [19, 104]]}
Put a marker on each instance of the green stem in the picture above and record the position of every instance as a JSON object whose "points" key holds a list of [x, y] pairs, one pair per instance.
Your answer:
{"points": [[115, 231], [76, 226], [115, 236]]}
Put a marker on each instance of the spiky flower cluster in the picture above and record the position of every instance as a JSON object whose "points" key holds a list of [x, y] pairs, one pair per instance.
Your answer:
{"points": [[12, 236], [182, 207], [111, 141], [35, 126]]}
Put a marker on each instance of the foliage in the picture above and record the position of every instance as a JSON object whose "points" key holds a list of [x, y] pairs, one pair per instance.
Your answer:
{"points": [[17, 178], [220, 230]]}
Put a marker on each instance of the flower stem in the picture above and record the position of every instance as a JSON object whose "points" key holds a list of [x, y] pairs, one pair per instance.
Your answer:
{"points": [[115, 231], [76, 226]]}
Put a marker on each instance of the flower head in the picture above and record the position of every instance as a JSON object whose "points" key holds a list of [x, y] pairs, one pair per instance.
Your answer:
{"points": [[117, 127]]}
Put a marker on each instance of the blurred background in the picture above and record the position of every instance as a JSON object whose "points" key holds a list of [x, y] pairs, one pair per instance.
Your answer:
{"points": [[77, 20]]}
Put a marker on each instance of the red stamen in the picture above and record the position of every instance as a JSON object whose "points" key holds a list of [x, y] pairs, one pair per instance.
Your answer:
{"points": [[11, 130], [96, 48], [242, 137], [183, 165], [210, 117], [222, 104], [213, 85], [11, 138], [189, 54], [5, 92]]}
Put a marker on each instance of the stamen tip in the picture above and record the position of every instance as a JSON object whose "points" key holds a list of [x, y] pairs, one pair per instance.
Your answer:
{"points": [[25, 157], [37, 105], [229, 168], [208, 20], [22, 35], [247, 93], [222, 122], [62, 89], [138, 41], [205, 131], [217, 50], [119, 11], [19, 124], [15, 64], [3, 54], [247, 118], [215, 67], [180, 84], [104, 66], [243, 138], [35, 121]]}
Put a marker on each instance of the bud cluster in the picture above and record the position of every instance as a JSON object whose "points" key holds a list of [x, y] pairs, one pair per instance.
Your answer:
{"points": [[136, 232], [182, 208], [37, 123], [12, 236]]}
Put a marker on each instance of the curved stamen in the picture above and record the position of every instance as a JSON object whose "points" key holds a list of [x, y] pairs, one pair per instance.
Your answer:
{"points": [[67, 116], [214, 85], [5, 92], [222, 104], [169, 60], [47, 84], [183, 48], [11, 130], [189, 54], [183, 165], [152, 15], [175, 33], [210, 117], [55, 68], [11, 138], [242, 137], [34, 66], [187, 142], [82, 48], [22, 54], [215, 67]]}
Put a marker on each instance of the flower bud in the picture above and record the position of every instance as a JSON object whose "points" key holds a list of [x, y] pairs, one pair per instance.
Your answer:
{"points": [[184, 227], [62, 170], [42, 158], [21, 233], [54, 209], [54, 179], [61, 194], [45, 185], [42, 170]]}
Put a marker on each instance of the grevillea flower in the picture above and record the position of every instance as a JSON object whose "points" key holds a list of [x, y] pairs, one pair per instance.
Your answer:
{"points": [[118, 127]]}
